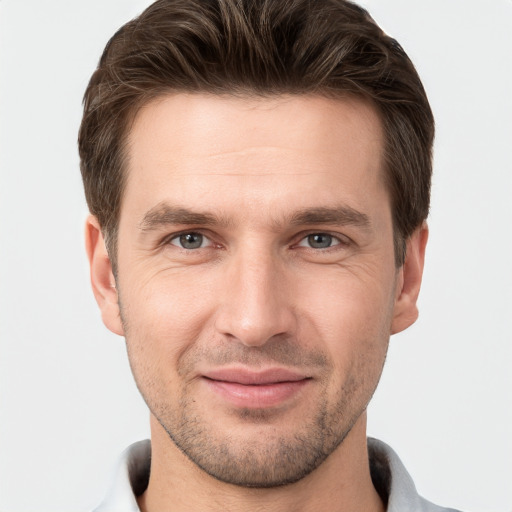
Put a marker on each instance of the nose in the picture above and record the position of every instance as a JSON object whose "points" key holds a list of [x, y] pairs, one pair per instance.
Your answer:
{"points": [[256, 304]]}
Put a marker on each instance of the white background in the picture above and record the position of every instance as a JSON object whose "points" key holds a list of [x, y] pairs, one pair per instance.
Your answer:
{"points": [[67, 402]]}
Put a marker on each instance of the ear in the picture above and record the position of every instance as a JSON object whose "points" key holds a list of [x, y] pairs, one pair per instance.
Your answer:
{"points": [[409, 281], [102, 278]]}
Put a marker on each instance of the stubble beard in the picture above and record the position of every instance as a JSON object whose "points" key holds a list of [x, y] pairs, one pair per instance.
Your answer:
{"points": [[267, 460], [273, 458]]}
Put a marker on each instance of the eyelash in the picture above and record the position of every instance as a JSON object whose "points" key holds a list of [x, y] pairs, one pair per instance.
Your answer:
{"points": [[335, 239], [177, 236], [341, 240]]}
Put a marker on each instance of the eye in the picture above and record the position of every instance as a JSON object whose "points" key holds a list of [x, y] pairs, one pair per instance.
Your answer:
{"points": [[319, 241], [190, 241]]}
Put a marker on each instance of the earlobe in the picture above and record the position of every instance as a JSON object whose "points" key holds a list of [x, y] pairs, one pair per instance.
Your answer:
{"points": [[102, 278], [409, 284]]}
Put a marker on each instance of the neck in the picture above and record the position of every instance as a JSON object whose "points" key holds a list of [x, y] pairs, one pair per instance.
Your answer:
{"points": [[342, 483]]}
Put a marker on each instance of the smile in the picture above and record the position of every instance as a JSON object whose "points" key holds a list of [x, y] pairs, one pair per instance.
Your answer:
{"points": [[255, 390]]}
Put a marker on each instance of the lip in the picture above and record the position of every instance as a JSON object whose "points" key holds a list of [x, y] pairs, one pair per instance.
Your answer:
{"points": [[255, 389], [251, 377]]}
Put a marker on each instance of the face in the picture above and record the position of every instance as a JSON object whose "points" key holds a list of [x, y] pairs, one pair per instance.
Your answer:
{"points": [[256, 277]]}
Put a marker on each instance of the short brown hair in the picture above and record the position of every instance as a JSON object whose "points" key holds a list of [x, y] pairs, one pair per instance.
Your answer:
{"points": [[256, 47]]}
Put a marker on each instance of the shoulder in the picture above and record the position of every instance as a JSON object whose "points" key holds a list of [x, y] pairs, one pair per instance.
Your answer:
{"points": [[394, 483]]}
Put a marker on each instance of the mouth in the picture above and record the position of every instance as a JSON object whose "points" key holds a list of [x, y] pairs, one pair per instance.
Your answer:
{"points": [[255, 390]]}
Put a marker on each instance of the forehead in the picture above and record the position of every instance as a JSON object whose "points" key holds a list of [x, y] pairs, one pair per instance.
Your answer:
{"points": [[253, 150], [318, 121]]}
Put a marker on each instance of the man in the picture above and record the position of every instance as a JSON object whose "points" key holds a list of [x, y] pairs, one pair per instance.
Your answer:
{"points": [[258, 176]]}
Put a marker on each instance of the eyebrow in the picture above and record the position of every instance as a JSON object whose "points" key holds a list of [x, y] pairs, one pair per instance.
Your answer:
{"points": [[165, 214], [340, 216]]}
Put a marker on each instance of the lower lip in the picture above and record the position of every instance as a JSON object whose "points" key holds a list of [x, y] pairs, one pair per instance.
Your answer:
{"points": [[257, 396]]}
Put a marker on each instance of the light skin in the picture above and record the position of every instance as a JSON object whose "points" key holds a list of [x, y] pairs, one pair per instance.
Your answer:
{"points": [[257, 289]]}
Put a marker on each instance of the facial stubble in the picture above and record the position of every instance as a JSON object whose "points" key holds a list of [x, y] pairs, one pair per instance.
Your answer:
{"points": [[266, 455], [268, 458]]}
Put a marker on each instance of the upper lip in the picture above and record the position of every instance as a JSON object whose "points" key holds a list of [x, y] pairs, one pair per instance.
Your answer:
{"points": [[255, 377]]}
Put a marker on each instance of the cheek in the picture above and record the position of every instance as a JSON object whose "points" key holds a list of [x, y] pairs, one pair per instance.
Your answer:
{"points": [[351, 317], [345, 302], [162, 318], [170, 303]]}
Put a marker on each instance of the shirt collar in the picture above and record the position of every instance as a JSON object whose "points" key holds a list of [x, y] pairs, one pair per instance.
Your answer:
{"points": [[388, 473], [130, 481]]}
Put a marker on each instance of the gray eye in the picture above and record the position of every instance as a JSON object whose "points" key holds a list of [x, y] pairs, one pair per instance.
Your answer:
{"points": [[320, 241], [190, 240]]}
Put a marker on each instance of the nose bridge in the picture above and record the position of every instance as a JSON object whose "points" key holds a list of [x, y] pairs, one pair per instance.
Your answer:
{"points": [[256, 304]]}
